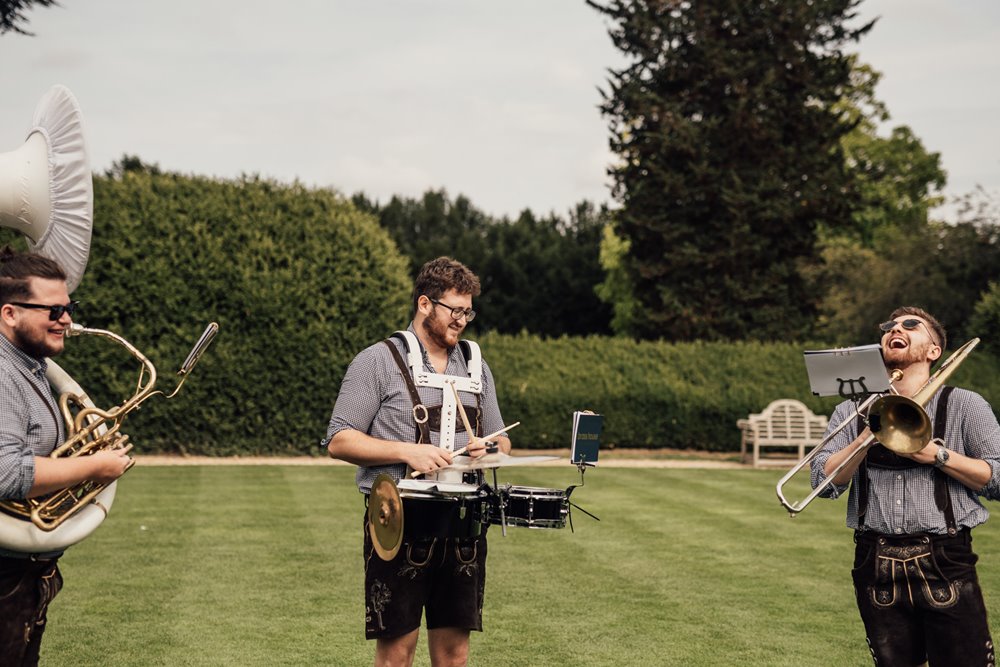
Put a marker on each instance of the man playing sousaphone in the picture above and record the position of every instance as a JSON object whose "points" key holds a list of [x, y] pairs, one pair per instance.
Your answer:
{"points": [[35, 312], [914, 569], [389, 418]]}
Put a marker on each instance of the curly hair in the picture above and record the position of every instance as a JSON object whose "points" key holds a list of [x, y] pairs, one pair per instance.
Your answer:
{"points": [[442, 274]]}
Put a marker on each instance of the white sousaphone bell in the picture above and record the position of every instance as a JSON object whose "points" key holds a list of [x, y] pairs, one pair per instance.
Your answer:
{"points": [[46, 190]]}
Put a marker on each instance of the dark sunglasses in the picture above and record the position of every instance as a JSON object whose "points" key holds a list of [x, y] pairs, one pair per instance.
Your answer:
{"points": [[908, 324], [55, 312]]}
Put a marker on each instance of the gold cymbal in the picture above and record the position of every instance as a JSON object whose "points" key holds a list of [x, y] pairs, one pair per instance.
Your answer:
{"points": [[385, 517]]}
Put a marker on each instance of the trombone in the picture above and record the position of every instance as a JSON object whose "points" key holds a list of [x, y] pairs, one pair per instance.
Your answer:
{"points": [[899, 423]]}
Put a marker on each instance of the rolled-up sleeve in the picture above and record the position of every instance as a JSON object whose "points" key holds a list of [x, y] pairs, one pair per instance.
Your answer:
{"points": [[358, 401], [836, 443], [17, 461], [981, 435]]}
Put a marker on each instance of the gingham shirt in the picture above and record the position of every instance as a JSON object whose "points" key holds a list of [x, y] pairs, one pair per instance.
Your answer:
{"points": [[373, 399], [902, 501], [29, 425]]}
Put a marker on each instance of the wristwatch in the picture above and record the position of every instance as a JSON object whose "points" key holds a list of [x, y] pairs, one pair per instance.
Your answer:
{"points": [[941, 458]]}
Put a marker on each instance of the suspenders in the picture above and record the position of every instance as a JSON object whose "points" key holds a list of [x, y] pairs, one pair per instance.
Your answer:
{"points": [[880, 457]]}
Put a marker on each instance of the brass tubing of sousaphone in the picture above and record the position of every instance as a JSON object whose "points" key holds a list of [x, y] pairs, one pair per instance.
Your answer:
{"points": [[92, 430]]}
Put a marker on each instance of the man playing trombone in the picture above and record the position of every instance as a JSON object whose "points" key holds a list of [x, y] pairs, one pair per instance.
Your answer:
{"points": [[912, 512]]}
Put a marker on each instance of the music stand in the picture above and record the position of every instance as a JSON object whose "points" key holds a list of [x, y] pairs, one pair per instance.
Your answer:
{"points": [[850, 372]]}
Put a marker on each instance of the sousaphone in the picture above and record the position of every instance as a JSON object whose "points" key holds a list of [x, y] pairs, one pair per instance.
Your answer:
{"points": [[46, 193]]}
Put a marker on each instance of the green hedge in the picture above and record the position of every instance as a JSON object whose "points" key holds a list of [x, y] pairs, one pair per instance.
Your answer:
{"points": [[296, 278]]}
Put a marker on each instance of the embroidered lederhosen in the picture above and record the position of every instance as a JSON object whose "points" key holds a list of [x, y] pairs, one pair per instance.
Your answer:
{"points": [[903, 561]]}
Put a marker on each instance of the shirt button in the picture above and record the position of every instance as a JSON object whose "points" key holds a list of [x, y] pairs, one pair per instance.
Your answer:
{"points": [[899, 502], [899, 477], [899, 530]]}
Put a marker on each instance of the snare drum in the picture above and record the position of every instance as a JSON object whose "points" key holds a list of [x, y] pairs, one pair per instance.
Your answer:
{"points": [[441, 509], [529, 506]]}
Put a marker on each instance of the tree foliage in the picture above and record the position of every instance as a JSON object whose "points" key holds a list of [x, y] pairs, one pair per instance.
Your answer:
{"points": [[728, 140], [538, 274], [985, 319], [616, 289], [12, 14], [941, 267]]}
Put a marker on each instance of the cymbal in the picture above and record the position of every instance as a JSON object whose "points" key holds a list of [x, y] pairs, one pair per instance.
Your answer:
{"points": [[385, 517], [496, 460]]}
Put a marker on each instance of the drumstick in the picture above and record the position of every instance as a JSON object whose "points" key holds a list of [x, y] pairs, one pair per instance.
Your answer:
{"points": [[486, 437], [417, 473], [461, 412]]}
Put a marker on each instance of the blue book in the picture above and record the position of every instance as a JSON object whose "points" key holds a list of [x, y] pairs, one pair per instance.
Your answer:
{"points": [[586, 437]]}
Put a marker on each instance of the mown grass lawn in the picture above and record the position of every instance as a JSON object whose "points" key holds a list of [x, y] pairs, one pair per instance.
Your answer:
{"points": [[261, 565]]}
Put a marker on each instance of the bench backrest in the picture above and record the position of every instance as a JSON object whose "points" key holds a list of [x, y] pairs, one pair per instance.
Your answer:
{"points": [[788, 419]]}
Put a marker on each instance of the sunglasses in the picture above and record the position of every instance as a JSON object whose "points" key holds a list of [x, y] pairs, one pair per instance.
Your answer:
{"points": [[909, 324], [55, 312]]}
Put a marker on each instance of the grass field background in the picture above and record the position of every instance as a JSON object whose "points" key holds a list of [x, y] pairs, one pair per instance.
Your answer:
{"points": [[261, 565]]}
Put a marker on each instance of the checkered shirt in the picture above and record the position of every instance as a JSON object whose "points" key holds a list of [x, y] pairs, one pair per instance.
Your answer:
{"points": [[373, 399], [902, 501], [29, 425]]}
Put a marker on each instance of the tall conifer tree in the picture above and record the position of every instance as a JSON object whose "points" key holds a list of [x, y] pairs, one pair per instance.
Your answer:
{"points": [[725, 125]]}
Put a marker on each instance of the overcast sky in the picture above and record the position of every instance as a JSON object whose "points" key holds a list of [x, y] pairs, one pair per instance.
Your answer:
{"points": [[494, 100]]}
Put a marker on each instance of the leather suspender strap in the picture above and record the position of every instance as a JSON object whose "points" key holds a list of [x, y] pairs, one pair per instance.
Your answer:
{"points": [[941, 495], [423, 432]]}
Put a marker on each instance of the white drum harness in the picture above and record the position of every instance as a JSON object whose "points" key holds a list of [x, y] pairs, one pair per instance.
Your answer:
{"points": [[444, 417]]}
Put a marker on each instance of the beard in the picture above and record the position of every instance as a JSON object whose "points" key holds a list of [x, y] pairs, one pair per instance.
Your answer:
{"points": [[438, 328], [35, 345], [902, 359]]}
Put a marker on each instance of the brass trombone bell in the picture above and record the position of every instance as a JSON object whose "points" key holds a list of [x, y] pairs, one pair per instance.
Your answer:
{"points": [[899, 424]]}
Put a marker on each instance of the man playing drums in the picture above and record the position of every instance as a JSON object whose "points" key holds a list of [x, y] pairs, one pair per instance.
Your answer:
{"points": [[396, 413]]}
